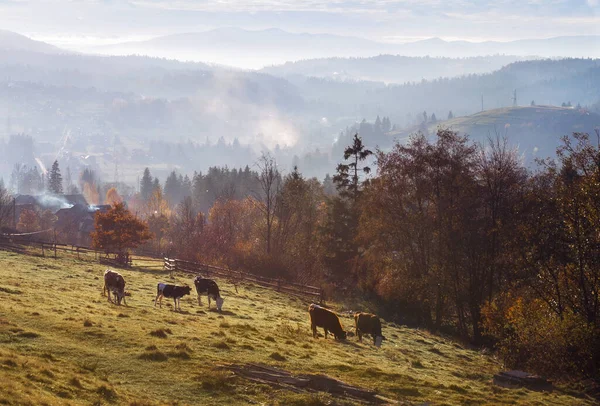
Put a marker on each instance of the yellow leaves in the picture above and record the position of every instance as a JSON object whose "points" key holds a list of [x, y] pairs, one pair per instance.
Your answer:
{"points": [[157, 204]]}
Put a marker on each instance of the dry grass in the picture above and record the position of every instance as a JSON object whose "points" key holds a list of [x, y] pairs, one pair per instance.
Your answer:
{"points": [[50, 354]]}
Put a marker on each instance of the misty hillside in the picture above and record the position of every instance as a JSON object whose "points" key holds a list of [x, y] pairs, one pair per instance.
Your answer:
{"points": [[565, 46], [12, 41], [197, 115], [536, 130], [391, 68]]}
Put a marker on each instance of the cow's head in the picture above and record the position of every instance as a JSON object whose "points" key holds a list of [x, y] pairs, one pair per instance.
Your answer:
{"points": [[219, 301], [342, 335], [120, 294], [187, 290]]}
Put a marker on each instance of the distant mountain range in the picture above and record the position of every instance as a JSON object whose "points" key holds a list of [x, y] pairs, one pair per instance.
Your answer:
{"points": [[254, 49], [392, 68]]}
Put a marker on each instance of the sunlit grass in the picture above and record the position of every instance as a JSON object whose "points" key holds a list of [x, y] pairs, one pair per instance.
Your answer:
{"points": [[62, 342]]}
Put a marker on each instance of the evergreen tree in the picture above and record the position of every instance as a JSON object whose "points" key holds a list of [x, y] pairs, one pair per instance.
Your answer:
{"points": [[347, 177], [450, 115], [156, 185], [55, 180], [146, 185], [433, 118]]}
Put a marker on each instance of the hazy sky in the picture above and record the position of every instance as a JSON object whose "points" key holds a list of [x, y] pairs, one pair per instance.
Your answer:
{"points": [[99, 21]]}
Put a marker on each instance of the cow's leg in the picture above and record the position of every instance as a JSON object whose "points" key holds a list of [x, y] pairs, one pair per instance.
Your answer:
{"points": [[208, 301], [359, 334], [199, 299], [175, 300], [109, 299], [104, 290], [314, 330], [325, 332], [156, 299]]}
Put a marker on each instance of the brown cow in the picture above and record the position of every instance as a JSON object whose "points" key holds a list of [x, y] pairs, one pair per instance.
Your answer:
{"points": [[114, 282], [367, 323], [322, 317]]}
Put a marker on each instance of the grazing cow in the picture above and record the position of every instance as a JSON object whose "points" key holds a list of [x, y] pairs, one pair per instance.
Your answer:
{"points": [[114, 282], [210, 288], [322, 317], [171, 291], [367, 323]]}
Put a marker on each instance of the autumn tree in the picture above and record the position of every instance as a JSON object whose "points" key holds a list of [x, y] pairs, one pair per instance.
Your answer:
{"points": [[6, 205], [117, 230], [269, 180], [112, 197], [157, 204], [90, 192], [29, 221], [186, 232], [299, 215], [158, 224]]}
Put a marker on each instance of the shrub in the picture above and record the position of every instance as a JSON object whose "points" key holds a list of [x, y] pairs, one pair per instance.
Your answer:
{"points": [[530, 336]]}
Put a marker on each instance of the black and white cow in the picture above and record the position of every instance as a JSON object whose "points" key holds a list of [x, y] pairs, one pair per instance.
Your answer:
{"points": [[171, 291], [114, 282], [210, 288]]}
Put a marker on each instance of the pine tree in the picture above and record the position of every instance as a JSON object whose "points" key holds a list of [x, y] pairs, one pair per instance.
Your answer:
{"points": [[146, 185], [347, 177], [433, 118], [55, 180]]}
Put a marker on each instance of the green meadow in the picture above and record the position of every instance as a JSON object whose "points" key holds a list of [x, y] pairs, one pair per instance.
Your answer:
{"points": [[62, 342]]}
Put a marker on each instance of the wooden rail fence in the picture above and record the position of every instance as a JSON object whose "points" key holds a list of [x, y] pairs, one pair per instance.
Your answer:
{"points": [[51, 249], [313, 293]]}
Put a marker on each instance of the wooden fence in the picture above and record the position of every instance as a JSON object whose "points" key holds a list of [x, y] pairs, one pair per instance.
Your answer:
{"points": [[54, 250], [312, 293]]}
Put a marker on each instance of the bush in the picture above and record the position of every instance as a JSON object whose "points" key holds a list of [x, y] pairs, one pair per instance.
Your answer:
{"points": [[532, 337]]}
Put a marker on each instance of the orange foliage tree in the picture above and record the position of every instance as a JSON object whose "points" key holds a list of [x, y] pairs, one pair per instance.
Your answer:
{"points": [[117, 231], [28, 221], [112, 197], [90, 192]]}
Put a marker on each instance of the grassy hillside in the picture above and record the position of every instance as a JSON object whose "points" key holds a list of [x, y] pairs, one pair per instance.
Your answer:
{"points": [[535, 129], [63, 343]]}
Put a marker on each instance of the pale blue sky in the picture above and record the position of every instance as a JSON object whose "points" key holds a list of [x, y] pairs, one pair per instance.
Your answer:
{"points": [[98, 21]]}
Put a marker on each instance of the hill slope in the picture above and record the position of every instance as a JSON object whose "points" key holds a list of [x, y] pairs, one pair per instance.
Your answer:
{"points": [[62, 340], [12, 41], [536, 130]]}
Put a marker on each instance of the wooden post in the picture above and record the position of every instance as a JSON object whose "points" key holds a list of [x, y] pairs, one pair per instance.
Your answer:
{"points": [[54, 243]]}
